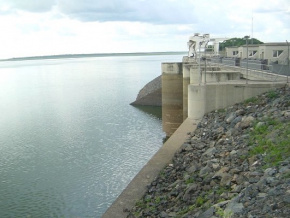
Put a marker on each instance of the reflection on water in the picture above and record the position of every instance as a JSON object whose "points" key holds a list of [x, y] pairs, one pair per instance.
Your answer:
{"points": [[152, 110]]}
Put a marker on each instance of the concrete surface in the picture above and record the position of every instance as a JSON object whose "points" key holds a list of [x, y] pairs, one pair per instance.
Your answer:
{"points": [[204, 98]]}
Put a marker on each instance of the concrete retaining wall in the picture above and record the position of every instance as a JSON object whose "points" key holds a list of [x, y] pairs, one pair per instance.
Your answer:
{"points": [[213, 96]]}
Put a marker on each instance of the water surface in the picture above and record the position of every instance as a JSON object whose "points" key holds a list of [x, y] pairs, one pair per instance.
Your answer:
{"points": [[69, 140]]}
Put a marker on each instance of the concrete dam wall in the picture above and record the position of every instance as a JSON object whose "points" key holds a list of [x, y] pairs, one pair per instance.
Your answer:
{"points": [[189, 91]]}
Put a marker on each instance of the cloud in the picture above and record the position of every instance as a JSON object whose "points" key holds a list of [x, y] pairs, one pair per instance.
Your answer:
{"points": [[91, 26], [151, 11], [27, 5]]}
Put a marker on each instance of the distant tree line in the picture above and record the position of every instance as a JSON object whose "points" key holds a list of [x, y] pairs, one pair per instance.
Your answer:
{"points": [[237, 42]]}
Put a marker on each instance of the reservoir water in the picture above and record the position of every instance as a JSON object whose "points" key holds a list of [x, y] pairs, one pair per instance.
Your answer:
{"points": [[69, 140]]}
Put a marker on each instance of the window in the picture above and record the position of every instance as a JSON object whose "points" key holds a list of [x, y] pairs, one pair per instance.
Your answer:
{"points": [[235, 52], [252, 53], [277, 53]]}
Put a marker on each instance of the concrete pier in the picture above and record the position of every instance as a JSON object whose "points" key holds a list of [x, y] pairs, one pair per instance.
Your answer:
{"points": [[172, 97], [186, 82]]}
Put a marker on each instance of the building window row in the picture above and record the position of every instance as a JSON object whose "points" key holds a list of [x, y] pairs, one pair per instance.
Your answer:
{"points": [[252, 53], [277, 53]]}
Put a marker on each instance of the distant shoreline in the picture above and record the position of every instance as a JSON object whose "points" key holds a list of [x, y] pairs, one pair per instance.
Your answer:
{"points": [[92, 55]]}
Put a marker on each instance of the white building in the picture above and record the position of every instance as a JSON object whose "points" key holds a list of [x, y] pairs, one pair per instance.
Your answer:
{"points": [[274, 52]]}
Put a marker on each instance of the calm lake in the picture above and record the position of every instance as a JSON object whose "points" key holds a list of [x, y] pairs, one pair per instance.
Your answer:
{"points": [[69, 140]]}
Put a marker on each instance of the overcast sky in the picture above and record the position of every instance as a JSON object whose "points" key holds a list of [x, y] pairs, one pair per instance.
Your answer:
{"points": [[49, 27]]}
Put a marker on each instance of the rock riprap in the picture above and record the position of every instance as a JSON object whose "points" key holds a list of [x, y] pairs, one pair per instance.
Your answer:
{"points": [[236, 164]]}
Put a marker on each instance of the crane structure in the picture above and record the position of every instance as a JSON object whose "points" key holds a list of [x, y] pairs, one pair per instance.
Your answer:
{"points": [[198, 43]]}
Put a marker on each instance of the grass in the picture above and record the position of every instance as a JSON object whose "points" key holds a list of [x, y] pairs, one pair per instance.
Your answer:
{"points": [[186, 209], [271, 140], [251, 100], [200, 201], [223, 214], [272, 94], [189, 181], [222, 189]]}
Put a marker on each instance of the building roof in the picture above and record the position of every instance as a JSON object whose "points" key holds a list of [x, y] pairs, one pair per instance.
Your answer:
{"points": [[274, 44]]}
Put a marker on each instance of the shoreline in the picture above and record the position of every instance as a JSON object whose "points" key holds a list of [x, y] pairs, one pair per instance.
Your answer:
{"points": [[68, 56]]}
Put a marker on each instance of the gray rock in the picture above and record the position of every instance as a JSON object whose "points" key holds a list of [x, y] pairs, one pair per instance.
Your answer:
{"points": [[226, 179], [272, 181], [209, 152], [230, 117], [172, 214], [262, 195], [270, 172], [286, 199], [190, 189], [208, 213], [220, 173], [193, 168], [204, 171], [234, 207], [286, 113], [284, 170], [236, 120], [246, 122], [186, 147], [163, 214]]}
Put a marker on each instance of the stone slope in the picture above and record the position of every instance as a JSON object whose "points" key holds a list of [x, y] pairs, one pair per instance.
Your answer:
{"points": [[150, 94], [223, 170]]}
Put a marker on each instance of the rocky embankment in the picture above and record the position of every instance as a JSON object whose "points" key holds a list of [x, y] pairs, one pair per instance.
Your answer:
{"points": [[150, 94], [236, 164]]}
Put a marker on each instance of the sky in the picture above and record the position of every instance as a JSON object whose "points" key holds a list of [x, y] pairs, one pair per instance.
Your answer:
{"points": [[51, 27]]}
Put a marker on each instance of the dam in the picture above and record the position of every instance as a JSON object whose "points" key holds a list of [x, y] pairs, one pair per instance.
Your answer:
{"points": [[190, 89]]}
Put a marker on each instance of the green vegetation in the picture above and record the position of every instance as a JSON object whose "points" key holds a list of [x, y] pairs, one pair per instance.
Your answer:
{"points": [[186, 210], [190, 180], [272, 140], [237, 42], [251, 100], [224, 214], [200, 201], [222, 189], [272, 94]]}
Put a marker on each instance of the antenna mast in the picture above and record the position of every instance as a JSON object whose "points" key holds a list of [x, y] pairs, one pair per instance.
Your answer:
{"points": [[252, 29]]}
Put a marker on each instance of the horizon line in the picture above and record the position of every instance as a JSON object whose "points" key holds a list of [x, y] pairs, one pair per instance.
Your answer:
{"points": [[59, 56]]}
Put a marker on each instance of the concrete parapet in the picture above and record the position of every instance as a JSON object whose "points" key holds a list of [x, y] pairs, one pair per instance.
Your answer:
{"points": [[257, 74], [221, 76], [197, 74], [212, 96]]}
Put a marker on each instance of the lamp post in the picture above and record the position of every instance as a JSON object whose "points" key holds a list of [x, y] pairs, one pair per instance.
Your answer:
{"points": [[205, 61], [288, 61], [247, 37], [200, 74]]}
